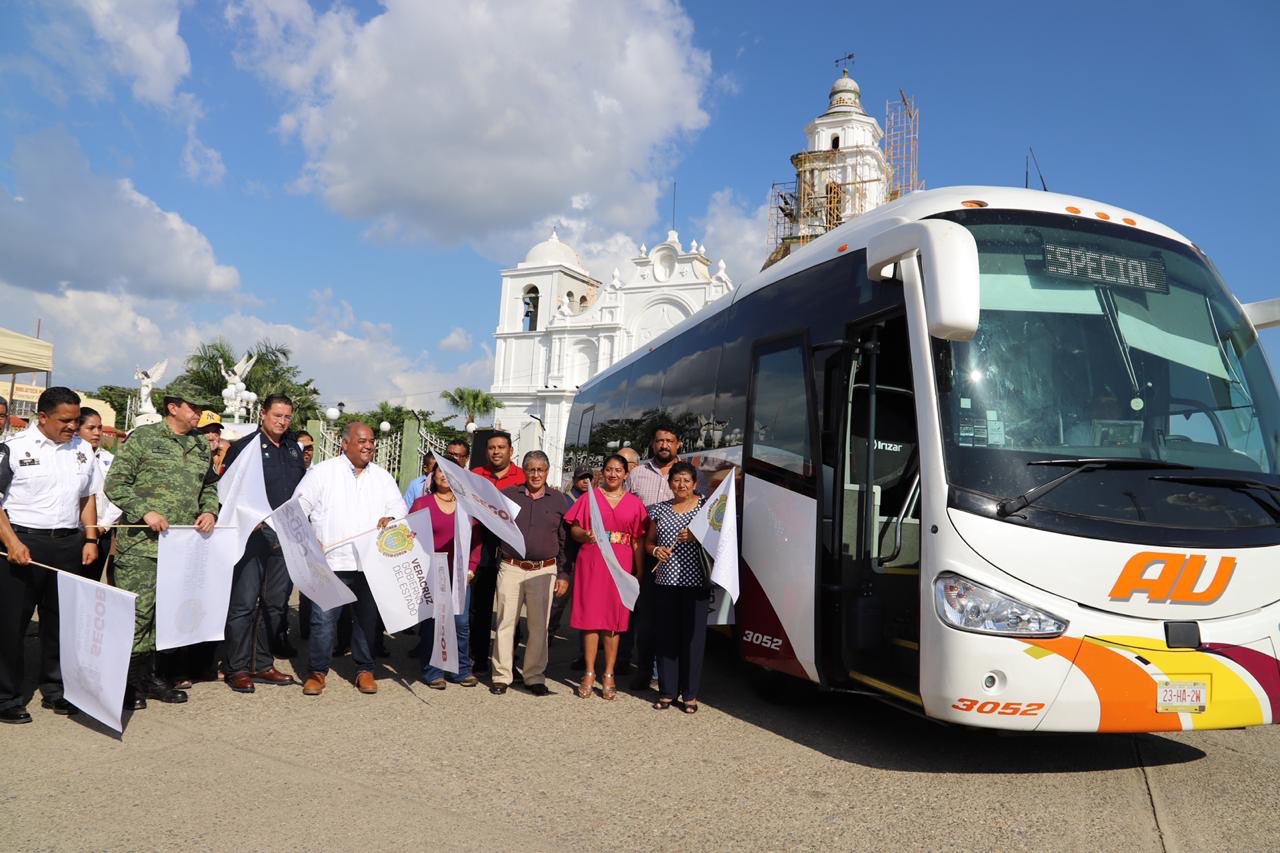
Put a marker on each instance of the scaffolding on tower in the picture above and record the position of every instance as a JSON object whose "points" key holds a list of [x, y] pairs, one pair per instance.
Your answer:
{"points": [[902, 145]]}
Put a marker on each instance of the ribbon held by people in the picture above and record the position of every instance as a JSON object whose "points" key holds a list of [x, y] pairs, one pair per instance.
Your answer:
{"points": [[716, 527], [628, 586]]}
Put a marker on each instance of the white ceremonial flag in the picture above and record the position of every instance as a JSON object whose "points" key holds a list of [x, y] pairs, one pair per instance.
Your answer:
{"points": [[484, 503], [628, 586], [395, 565], [95, 636], [304, 558], [716, 527], [242, 491], [444, 651], [420, 522], [193, 584]]}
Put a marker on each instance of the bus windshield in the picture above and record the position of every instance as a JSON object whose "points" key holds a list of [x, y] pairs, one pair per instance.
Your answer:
{"points": [[1099, 340]]}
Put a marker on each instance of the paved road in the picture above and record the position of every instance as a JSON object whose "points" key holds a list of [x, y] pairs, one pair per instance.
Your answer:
{"points": [[460, 769]]}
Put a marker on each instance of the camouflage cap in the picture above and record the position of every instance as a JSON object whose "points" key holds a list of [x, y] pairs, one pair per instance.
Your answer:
{"points": [[188, 392]]}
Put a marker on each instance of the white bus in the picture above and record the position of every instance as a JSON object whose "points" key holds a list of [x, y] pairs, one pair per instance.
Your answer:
{"points": [[1009, 457]]}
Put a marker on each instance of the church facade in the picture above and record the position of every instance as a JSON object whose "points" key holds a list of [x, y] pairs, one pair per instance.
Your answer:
{"points": [[558, 326]]}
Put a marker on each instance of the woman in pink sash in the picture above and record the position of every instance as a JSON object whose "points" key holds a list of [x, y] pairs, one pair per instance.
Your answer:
{"points": [[597, 606]]}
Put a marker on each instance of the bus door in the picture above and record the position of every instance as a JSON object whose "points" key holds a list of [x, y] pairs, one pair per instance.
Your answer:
{"points": [[870, 607]]}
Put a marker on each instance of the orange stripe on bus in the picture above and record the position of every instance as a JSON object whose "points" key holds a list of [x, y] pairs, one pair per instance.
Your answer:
{"points": [[1126, 692]]}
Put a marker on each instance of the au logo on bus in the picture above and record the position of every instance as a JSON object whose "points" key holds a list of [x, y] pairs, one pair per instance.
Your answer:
{"points": [[1175, 581]]}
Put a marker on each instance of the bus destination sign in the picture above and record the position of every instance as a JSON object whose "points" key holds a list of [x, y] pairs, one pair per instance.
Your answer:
{"points": [[1086, 265]]}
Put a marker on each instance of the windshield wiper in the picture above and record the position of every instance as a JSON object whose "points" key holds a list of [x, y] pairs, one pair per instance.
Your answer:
{"points": [[1243, 485], [1009, 506]]}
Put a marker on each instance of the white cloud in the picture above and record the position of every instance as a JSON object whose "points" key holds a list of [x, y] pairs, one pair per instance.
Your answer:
{"points": [[736, 233], [134, 41], [64, 227], [142, 45], [100, 338], [459, 340], [460, 121], [201, 163]]}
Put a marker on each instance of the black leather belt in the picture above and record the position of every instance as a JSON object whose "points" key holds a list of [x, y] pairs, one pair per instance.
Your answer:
{"points": [[56, 533]]}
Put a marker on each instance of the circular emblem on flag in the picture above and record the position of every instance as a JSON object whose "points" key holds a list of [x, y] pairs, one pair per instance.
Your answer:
{"points": [[394, 540], [716, 518]]}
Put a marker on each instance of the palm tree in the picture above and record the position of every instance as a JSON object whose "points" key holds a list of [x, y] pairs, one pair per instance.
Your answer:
{"points": [[471, 401], [272, 373]]}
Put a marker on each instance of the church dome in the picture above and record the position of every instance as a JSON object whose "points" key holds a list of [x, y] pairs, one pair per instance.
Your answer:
{"points": [[845, 94], [552, 252]]}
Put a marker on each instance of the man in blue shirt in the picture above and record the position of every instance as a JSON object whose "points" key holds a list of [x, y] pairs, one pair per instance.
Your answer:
{"points": [[418, 485]]}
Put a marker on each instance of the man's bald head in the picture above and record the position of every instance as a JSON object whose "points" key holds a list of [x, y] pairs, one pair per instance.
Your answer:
{"points": [[358, 444]]}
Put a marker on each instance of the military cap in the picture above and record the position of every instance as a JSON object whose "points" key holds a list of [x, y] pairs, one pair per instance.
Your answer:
{"points": [[188, 392]]}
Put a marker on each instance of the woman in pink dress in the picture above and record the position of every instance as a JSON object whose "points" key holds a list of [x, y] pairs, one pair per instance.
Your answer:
{"points": [[597, 606]]}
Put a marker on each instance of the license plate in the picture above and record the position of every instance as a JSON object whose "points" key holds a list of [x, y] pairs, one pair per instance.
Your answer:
{"points": [[1186, 697]]}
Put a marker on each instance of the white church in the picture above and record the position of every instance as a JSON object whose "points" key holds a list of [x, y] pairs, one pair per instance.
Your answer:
{"points": [[558, 326]]}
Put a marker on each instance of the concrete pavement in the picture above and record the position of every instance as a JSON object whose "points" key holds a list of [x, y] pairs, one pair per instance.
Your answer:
{"points": [[461, 769]]}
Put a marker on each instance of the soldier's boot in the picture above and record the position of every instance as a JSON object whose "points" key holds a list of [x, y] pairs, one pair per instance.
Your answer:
{"points": [[135, 695], [156, 687]]}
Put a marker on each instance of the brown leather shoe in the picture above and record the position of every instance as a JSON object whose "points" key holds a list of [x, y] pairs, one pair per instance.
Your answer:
{"points": [[240, 682], [273, 676], [314, 685], [365, 683]]}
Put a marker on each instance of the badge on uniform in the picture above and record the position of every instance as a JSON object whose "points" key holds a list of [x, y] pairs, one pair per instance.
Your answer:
{"points": [[81, 458], [27, 460]]}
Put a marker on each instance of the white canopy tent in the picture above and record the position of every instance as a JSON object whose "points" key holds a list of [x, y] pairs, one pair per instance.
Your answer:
{"points": [[22, 354]]}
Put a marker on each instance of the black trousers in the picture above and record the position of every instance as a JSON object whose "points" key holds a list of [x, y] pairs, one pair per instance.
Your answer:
{"points": [[681, 632], [259, 595], [22, 590], [94, 571], [637, 644], [483, 589]]}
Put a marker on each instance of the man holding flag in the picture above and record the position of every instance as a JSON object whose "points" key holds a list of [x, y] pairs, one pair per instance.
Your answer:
{"points": [[47, 485], [260, 583], [346, 498], [158, 479]]}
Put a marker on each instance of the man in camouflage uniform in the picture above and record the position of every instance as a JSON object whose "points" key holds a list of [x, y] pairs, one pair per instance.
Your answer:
{"points": [[157, 479]]}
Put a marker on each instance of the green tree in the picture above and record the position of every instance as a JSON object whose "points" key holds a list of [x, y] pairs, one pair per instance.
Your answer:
{"points": [[116, 396], [472, 402], [272, 373]]}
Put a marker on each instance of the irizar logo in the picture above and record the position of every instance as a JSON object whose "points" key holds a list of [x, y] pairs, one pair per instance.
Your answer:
{"points": [[888, 446], [1175, 580]]}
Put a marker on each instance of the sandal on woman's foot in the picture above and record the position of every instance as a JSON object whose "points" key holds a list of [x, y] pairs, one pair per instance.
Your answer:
{"points": [[691, 707], [662, 705], [585, 686], [609, 687]]}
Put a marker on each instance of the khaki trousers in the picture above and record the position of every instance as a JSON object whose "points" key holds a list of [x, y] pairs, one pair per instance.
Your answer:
{"points": [[532, 590]]}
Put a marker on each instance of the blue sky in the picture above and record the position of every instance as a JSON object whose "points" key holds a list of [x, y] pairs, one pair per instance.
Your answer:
{"points": [[350, 178]]}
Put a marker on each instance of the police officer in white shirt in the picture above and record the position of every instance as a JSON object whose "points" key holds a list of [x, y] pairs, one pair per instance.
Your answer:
{"points": [[47, 485], [90, 434], [346, 496]]}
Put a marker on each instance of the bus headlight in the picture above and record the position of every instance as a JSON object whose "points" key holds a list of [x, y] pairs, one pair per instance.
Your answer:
{"points": [[970, 606]]}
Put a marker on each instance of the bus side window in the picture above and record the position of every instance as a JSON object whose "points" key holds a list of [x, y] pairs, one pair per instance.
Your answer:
{"points": [[779, 423]]}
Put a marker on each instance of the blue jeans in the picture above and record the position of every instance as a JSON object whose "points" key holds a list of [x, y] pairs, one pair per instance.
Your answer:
{"points": [[324, 628], [427, 634]]}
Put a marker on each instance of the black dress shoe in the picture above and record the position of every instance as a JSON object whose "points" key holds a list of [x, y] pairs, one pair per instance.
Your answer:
{"points": [[159, 689], [59, 706], [538, 689], [497, 689], [15, 716], [133, 700]]}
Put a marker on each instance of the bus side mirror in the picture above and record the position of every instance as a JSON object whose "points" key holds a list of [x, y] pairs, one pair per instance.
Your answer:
{"points": [[949, 266], [1264, 314]]}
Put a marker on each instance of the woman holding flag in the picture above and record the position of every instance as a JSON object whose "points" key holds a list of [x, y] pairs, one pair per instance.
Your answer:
{"points": [[442, 504], [682, 591], [597, 602]]}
